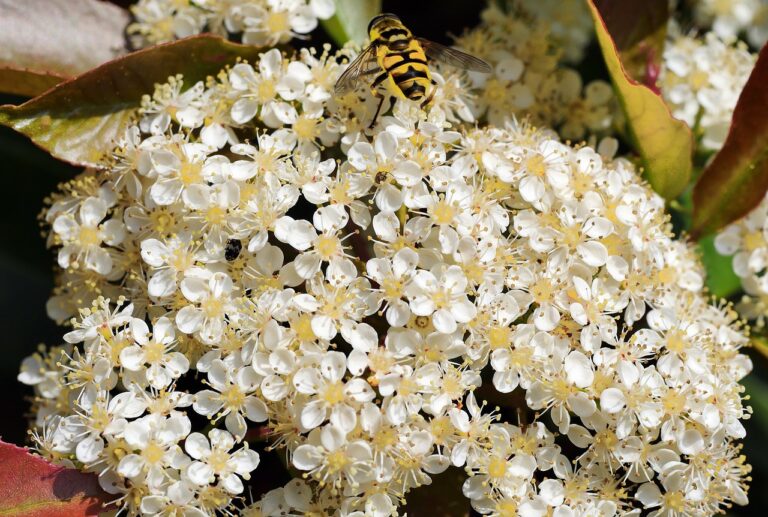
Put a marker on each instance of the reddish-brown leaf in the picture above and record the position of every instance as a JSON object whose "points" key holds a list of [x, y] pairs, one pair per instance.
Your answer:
{"points": [[43, 42], [27, 83], [737, 178], [32, 487], [79, 120]]}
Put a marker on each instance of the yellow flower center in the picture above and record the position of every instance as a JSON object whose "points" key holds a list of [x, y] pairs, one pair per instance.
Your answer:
{"points": [[506, 509], [181, 260], [153, 453], [443, 212], [754, 240], [499, 337], [233, 398], [334, 393], [266, 90], [154, 351], [675, 501], [536, 165], [212, 308], [385, 437], [497, 467], [215, 215], [162, 221], [327, 246], [191, 173], [542, 291], [336, 461], [440, 428], [676, 343], [89, 236], [306, 128], [218, 461], [674, 402], [277, 22], [393, 288], [302, 326]]}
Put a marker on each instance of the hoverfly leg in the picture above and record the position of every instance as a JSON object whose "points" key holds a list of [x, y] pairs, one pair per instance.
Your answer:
{"points": [[379, 79], [431, 96], [378, 108]]}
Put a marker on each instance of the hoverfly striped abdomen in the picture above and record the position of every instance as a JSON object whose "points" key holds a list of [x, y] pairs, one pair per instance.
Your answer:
{"points": [[401, 57]]}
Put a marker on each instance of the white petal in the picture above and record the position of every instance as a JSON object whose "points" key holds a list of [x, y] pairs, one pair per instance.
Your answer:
{"points": [[578, 368], [612, 400]]}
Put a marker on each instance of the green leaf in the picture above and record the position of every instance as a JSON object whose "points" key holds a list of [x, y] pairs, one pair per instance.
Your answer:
{"points": [[79, 120], [721, 280], [665, 145], [758, 399], [350, 23], [32, 487], [737, 178], [44, 42], [760, 343]]}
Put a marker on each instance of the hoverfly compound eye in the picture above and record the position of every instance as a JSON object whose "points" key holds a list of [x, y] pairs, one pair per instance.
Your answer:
{"points": [[383, 16]]}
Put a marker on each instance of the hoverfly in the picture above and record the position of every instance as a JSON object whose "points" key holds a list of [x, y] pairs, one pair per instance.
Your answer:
{"points": [[401, 62]]}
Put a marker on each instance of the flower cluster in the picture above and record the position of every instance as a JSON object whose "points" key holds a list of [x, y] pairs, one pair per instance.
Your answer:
{"points": [[528, 80], [570, 23], [701, 81], [734, 18], [252, 263], [257, 22]]}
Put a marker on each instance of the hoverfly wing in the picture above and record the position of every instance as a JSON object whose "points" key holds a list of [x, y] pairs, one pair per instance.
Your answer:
{"points": [[364, 64], [453, 57]]}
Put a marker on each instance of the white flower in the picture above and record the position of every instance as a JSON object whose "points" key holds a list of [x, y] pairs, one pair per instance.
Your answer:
{"points": [[442, 296], [329, 394], [214, 460], [211, 295], [171, 260], [329, 457], [153, 354], [83, 236], [233, 398], [154, 441]]}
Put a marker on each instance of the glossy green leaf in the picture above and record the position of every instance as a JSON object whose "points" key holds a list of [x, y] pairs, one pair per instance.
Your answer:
{"points": [[44, 42], [737, 178], [664, 144], [350, 23], [32, 487], [79, 120], [721, 280]]}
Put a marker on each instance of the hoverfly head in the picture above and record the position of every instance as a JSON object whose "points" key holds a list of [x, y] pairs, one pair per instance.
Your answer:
{"points": [[382, 21]]}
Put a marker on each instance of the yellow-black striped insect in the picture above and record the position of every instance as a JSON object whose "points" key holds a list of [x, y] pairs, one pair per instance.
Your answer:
{"points": [[401, 63]]}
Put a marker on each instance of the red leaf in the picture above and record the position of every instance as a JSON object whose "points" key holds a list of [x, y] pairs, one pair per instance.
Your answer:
{"points": [[80, 119], [737, 178], [32, 487]]}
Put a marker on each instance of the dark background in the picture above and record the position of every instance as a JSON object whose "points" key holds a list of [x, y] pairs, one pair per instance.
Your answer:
{"points": [[26, 267]]}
